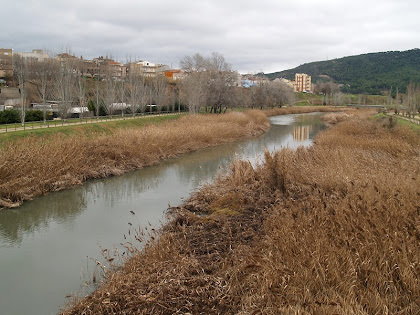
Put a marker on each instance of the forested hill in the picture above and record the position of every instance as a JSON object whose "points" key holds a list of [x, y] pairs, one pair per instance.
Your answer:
{"points": [[368, 73]]}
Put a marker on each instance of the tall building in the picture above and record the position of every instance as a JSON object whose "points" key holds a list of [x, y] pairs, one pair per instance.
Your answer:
{"points": [[302, 83]]}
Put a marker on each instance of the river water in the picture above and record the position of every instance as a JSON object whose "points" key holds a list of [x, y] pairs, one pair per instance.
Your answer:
{"points": [[49, 245]]}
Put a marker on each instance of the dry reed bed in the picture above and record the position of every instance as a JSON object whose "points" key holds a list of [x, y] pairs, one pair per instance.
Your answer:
{"points": [[33, 166], [331, 229]]}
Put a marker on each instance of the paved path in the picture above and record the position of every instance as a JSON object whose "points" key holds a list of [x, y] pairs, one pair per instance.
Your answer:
{"points": [[413, 120]]}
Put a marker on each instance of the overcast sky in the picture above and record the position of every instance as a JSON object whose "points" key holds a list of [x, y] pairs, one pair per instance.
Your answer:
{"points": [[254, 36]]}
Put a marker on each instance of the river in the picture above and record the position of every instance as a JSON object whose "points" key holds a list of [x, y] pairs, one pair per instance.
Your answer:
{"points": [[48, 246]]}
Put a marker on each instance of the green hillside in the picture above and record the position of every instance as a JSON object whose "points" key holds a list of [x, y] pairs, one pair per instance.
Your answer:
{"points": [[368, 73]]}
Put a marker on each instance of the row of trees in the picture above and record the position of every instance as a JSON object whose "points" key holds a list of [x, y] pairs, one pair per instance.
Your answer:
{"points": [[210, 83], [64, 83], [409, 101], [412, 100]]}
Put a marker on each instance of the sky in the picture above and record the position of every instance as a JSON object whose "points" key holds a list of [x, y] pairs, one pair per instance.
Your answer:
{"points": [[254, 36]]}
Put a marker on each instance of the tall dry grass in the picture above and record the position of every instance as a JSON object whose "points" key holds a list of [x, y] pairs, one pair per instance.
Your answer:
{"points": [[34, 166], [331, 229]]}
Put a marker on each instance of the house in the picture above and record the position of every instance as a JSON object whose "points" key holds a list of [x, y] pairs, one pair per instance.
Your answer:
{"points": [[175, 74]]}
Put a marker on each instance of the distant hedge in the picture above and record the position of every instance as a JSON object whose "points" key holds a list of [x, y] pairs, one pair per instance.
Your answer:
{"points": [[34, 115], [11, 116]]}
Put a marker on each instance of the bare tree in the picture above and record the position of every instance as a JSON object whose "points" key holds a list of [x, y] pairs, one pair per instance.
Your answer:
{"points": [[21, 72], [220, 90], [270, 94], [81, 93], [210, 82], [193, 91], [397, 102], [327, 89], [171, 97], [193, 63], [240, 97], [412, 99], [138, 92], [65, 86], [109, 93], [97, 95], [281, 94], [42, 72], [338, 98], [217, 62], [159, 90]]}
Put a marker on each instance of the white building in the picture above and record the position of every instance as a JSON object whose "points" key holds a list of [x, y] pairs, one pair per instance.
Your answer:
{"points": [[37, 54]]}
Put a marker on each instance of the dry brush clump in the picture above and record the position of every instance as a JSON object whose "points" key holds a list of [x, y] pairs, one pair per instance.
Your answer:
{"points": [[331, 229], [36, 165]]}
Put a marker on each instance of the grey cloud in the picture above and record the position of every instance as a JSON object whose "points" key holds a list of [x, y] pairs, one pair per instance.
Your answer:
{"points": [[265, 35]]}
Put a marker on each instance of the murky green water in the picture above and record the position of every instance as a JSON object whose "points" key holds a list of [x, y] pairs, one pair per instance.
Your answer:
{"points": [[48, 245]]}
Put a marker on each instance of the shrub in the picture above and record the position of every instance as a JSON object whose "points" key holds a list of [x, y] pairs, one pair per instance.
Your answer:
{"points": [[9, 116], [34, 115]]}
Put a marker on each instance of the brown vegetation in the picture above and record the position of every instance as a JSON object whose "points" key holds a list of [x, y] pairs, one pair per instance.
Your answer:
{"points": [[33, 166], [330, 229]]}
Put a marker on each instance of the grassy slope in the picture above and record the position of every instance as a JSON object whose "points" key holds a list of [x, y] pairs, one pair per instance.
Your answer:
{"points": [[331, 229], [86, 129]]}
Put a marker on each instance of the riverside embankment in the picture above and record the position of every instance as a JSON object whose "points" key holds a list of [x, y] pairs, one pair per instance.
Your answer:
{"points": [[328, 229], [34, 165], [52, 246]]}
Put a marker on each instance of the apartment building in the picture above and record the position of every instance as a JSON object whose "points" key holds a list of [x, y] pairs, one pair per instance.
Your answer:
{"points": [[35, 54], [97, 67], [6, 59], [147, 69], [6, 62], [105, 67], [144, 68], [302, 83]]}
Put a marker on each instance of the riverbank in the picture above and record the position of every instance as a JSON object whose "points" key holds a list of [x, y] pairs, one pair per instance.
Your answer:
{"points": [[33, 165], [46, 160], [328, 229]]}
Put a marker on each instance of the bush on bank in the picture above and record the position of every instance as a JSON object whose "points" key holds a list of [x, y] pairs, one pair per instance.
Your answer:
{"points": [[9, 116], [12, 116]]}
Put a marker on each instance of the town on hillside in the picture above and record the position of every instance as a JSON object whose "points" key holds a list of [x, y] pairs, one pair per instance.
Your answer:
{"points": [[32, 81]]}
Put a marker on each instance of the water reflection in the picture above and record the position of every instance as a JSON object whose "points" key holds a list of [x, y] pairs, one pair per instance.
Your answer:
{"points": [[35, 216], [301, 133], [44, 244]]}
